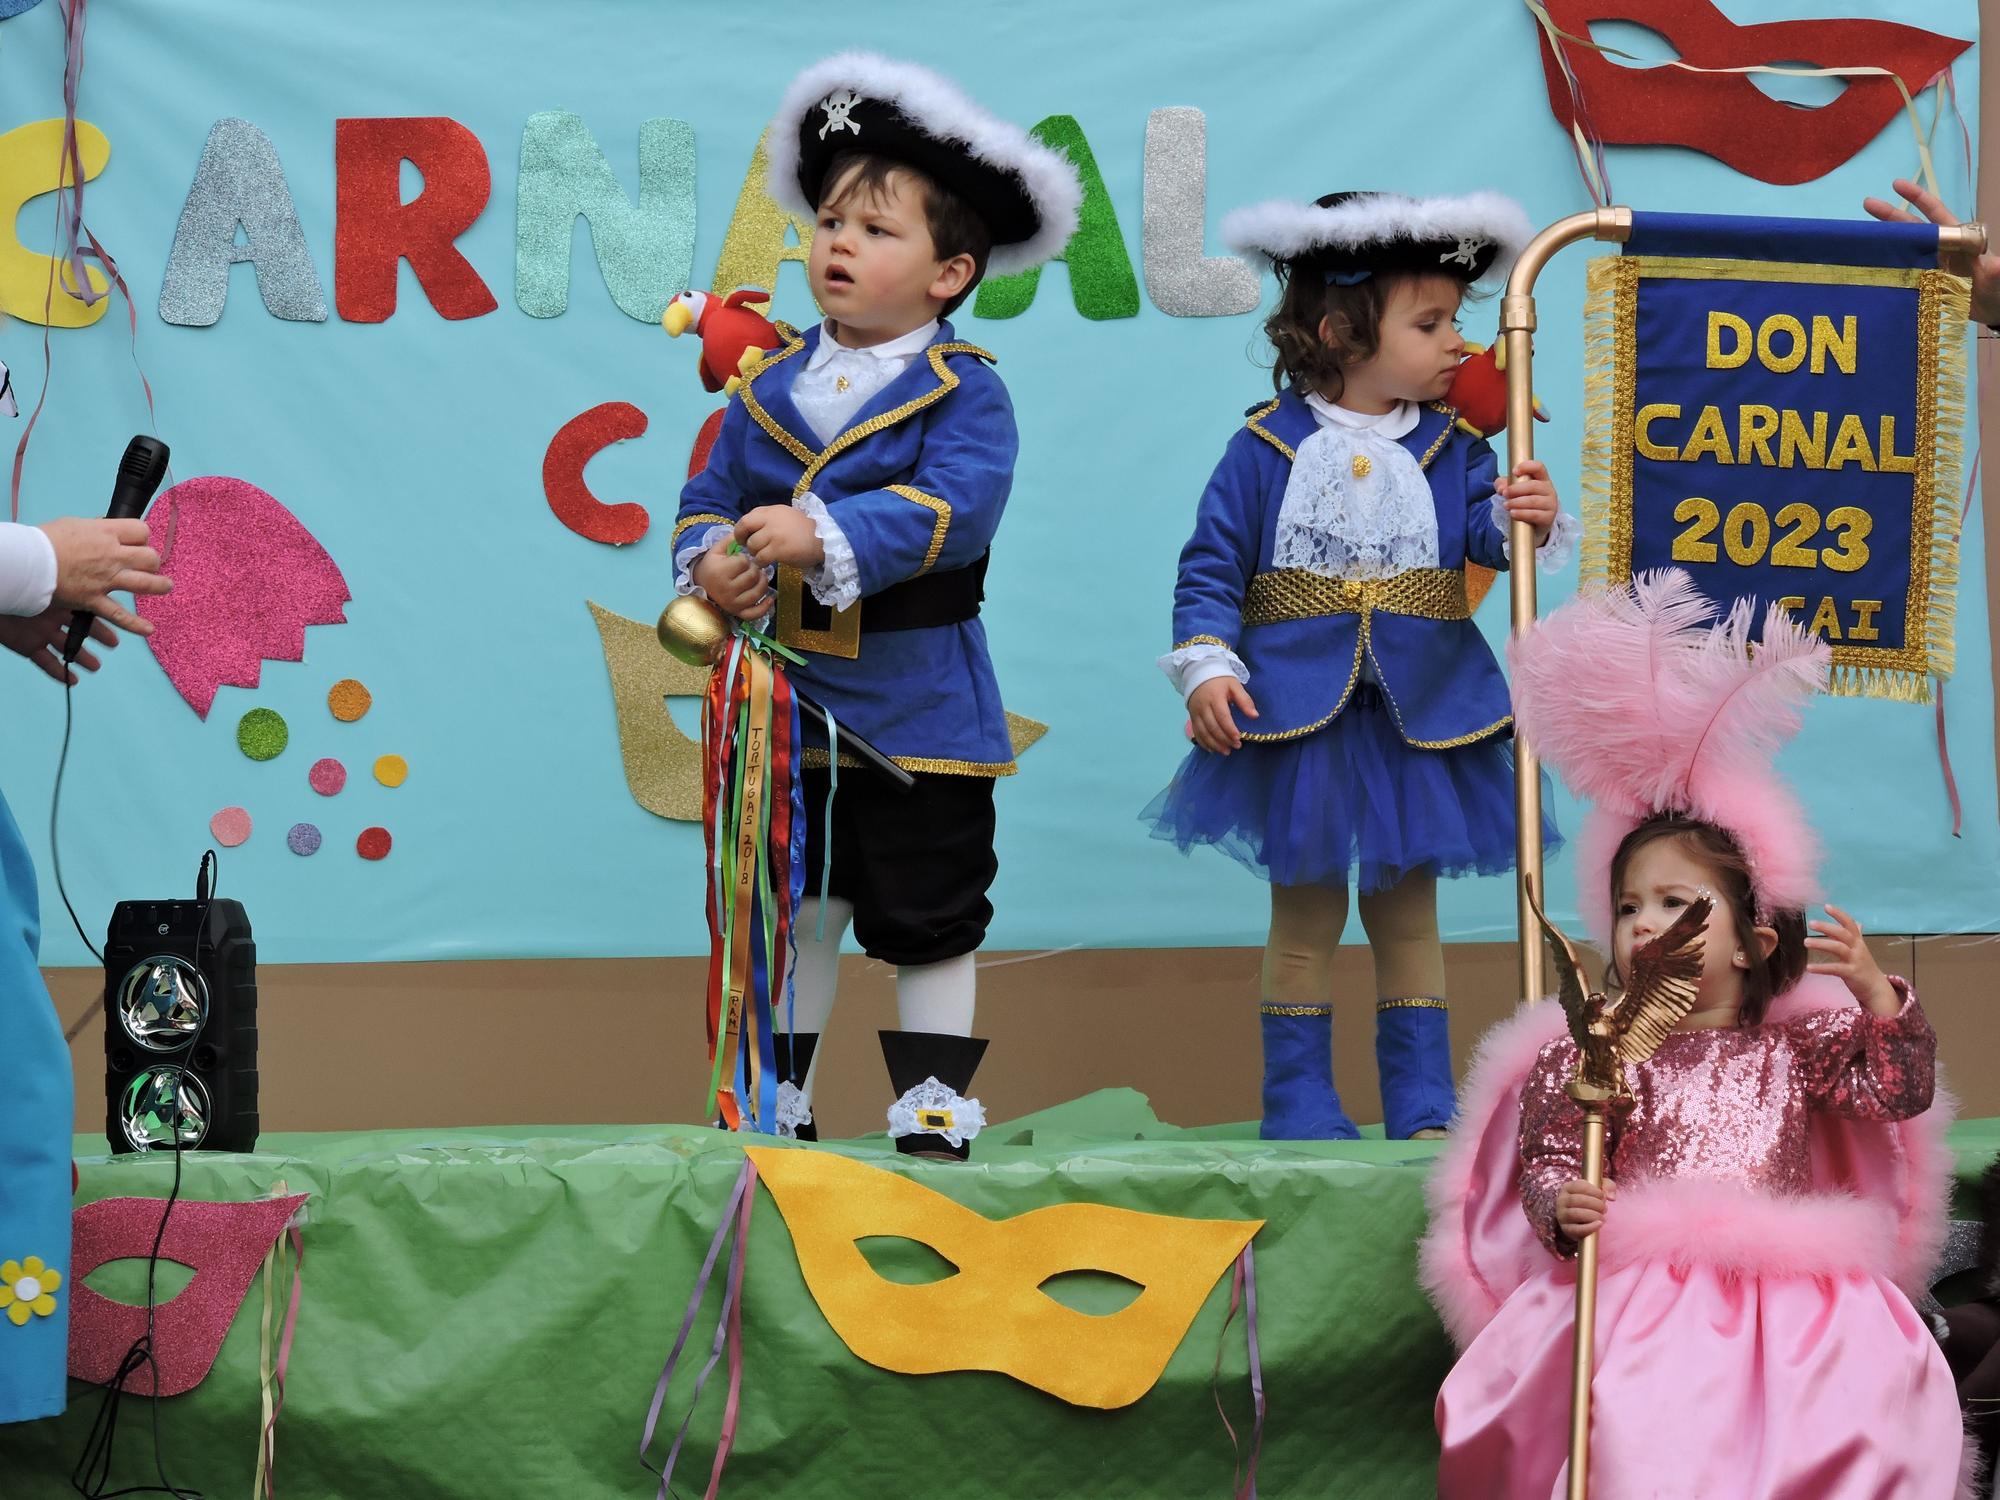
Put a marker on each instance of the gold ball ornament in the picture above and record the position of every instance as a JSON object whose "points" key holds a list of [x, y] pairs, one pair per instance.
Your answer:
{"points": [[694, 631]]}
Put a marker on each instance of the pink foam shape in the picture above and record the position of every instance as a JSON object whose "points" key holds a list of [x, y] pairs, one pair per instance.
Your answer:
{"points": [[248, 579]]}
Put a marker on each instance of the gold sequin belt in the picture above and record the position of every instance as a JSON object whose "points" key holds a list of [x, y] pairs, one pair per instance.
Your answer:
{"points": [[1295, 594]]}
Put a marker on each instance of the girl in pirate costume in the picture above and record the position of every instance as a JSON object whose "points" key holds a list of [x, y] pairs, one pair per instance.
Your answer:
{"points": [[1347, 715], [853, 493]]}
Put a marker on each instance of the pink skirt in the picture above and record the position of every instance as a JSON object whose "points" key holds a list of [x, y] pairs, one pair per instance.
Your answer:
{"points": [[1708, 1384]]}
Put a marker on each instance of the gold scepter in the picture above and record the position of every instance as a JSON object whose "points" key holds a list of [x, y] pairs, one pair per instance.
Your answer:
{"points": [[1612, 1034]]}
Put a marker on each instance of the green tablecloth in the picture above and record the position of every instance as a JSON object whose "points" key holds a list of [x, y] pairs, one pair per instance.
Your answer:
{"points": [[486, 1311]]}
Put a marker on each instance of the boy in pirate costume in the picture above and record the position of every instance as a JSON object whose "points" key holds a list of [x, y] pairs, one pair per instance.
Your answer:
{"points": [[853, 493]]}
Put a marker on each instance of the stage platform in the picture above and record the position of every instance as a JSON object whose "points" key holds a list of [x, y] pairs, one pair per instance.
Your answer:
{"points": [[486, 1311]]}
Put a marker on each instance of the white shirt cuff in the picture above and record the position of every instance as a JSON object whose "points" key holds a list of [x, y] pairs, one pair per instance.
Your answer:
{"points": [[836, 582], [695, 546], [27, 569], [1188, 667], [1554, 552]]}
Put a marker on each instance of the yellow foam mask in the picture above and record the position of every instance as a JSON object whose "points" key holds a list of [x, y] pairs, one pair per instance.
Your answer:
{"points": [[993, 1314]]}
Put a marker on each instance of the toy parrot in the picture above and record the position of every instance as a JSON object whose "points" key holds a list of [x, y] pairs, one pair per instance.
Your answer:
{"points": [[733, 338], [1479, 391]]}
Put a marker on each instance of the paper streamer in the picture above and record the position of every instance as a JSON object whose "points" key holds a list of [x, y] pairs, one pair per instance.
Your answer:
{"points": [[248, 580], [1182, 280], [576, 442], [239, 180], [755, 247], [662, 765], [374, 229], [1100, 272], [645, 254], [32, 163], [224, 1242]]}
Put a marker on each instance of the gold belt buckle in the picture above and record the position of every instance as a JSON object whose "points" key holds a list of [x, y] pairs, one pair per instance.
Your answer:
{"points": [[805, 624]]}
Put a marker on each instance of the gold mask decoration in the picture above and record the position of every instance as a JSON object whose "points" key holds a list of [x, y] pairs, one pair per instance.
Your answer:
{"points": [[993, 1314]]}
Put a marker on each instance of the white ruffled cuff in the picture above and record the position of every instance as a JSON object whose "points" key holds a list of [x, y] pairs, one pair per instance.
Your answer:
{"points": [[694, 546], [1554, 552], [1188, 667], [836, 582]]}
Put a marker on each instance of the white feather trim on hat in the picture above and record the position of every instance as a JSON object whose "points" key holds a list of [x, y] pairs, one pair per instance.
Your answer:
{"points": [[1279, 229], [941, 108]]}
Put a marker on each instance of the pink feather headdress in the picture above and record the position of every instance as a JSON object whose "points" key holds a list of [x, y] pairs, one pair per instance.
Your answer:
{"points": [[1647, 703]]}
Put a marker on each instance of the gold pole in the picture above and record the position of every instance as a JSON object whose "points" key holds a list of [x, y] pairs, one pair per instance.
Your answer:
{"points": [[1584, 1355], [1517, 328]]}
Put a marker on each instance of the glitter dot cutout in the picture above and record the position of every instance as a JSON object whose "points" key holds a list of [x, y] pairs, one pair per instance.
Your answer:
{"points": [[348, 700], [373, 843], [303, 839], [261, 734], [231, 826], [392, 770], [327, 776]]}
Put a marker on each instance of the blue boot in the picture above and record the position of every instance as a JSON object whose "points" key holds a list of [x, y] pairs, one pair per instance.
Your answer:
{"points": [[1300, 1103], [1413, 1060]]}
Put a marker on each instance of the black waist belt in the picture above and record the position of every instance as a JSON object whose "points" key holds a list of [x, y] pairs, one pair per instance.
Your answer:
{"points": [[947, 598]]}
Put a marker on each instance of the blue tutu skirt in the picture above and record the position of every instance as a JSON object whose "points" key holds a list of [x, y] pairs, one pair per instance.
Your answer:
{"points": [[1352, 798]]}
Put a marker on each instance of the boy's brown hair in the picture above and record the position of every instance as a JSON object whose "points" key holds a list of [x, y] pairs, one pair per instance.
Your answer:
{"points": [[954, 228]]}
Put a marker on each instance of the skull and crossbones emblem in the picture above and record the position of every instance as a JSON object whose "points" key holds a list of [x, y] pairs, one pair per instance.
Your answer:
{"points": [[1467, 251], [838, 106]]}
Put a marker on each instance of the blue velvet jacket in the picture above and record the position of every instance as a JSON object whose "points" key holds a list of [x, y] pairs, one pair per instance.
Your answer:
{"points": [[917, 481], [1303, 636]]}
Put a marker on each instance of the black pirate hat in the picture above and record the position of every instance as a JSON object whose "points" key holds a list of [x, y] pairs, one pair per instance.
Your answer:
{"points": [[1027, 194]]}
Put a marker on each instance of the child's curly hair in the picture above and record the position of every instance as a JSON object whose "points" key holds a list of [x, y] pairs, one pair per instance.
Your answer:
{"points": [[1352, 313]]}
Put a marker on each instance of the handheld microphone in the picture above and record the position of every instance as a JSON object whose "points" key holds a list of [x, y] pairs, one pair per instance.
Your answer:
{"points": [[139, 474]]}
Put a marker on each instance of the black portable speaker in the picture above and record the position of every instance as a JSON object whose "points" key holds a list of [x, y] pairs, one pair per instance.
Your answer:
{"points": [[180, 1027]]}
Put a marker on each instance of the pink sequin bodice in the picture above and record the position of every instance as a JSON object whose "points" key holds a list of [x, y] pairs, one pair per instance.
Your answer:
{"points": [[1731, 1104]]}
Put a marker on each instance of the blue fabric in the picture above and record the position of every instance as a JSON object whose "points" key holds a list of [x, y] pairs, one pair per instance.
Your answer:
{"points": [[927, 693], [1828, 242], [37, 1117], [1413, 1062], [1300, 1101], [1350, 797], [1781, 530], [1440, 677]]}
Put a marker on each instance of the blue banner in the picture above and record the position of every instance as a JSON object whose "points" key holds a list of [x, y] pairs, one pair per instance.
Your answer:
{"points": [[1787, 431]]}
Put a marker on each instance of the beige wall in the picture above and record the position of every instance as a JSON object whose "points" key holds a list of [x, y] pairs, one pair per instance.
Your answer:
{"points": [[367, 1046], [377, 1045]]}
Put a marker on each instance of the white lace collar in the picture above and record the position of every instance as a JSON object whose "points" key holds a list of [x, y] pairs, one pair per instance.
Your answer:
{"points": [[912, 343], [1396, 422]]}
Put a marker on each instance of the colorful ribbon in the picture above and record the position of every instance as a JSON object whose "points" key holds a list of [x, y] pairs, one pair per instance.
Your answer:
{"points": [[271, 1371], [754, 817], [728, 1332], [1243, 1293]]}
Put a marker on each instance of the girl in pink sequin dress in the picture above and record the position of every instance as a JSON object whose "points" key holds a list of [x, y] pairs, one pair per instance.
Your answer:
{"points": [[1779, 1177]]}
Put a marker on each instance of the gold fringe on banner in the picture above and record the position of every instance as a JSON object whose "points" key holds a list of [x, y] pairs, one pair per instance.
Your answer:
{"points": [[1944, 306], [1602, 506], [1892, 683]]}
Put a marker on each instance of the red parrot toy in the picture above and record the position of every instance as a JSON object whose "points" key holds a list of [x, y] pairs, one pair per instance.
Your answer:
{"points": [[1479, 391], [733, 338]]}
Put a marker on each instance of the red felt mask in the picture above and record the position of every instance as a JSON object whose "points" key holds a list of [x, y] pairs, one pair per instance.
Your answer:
{"points": [[1725, 115], [224, 1243]]}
